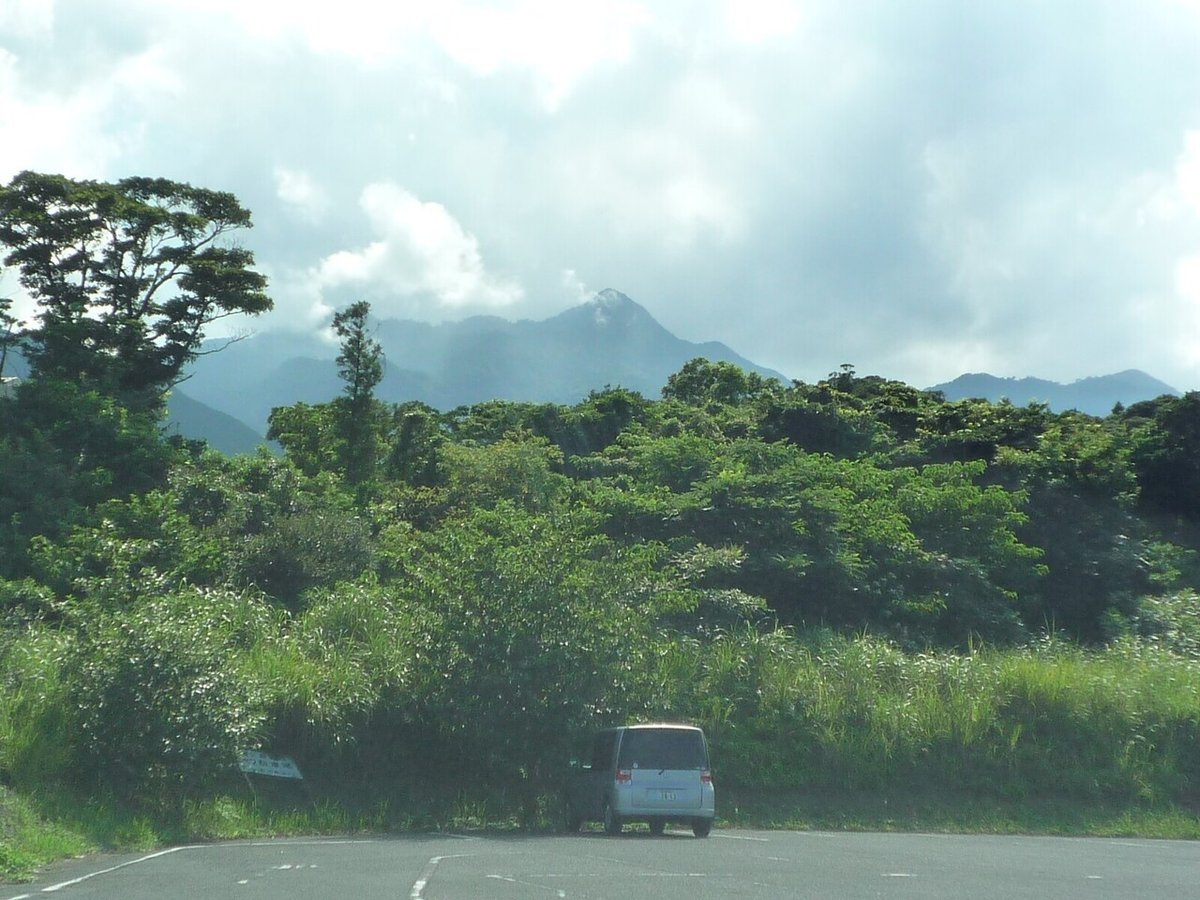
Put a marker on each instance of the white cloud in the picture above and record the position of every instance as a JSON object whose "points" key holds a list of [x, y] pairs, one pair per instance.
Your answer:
{"points": [[85, 128], [50, 131], [683, 152], [755, 21], [575, 287], [559, 41], [26, 18], [300, 192], [421, 249], [1187, 279], [1187, 171]]}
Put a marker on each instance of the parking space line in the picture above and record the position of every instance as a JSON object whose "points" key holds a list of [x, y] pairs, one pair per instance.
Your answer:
{"points": [[422, 882]]}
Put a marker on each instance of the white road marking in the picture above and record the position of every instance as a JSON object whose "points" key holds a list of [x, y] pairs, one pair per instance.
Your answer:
{"points": [[540, 887], [740, 837], [284, 843], [898, 875], [133, 862], [54, 888], [421, 883]]}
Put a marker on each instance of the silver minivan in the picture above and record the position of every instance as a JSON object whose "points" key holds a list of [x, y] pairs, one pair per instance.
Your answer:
{"points": [[655, 773]]}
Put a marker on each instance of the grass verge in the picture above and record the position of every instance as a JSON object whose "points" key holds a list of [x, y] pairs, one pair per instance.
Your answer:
{"points": [[953, 813], [39, 830]]}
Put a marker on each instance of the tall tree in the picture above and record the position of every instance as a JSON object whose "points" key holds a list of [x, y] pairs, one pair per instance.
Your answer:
{"points": [[360, 366], [127, 276], [9, 333]]}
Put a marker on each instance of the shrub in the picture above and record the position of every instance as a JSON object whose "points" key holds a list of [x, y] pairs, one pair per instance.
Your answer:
{"points": [[158, 705]]}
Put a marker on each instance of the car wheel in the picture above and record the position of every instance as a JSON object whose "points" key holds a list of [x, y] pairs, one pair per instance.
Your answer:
{"points": [[701, 827], [657, 826], [612, 822]]}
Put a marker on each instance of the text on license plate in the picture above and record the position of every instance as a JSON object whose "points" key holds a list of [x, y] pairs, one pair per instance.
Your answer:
{"points": [[667, 795]]}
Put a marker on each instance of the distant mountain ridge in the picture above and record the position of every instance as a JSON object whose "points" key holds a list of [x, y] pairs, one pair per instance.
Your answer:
{"points": [[610, 340], [193, 419], [1095, 396]]}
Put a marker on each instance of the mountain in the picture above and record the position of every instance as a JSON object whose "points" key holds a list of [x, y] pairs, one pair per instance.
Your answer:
{"points": [[610, 340], [223, 432], [1096, 396]]}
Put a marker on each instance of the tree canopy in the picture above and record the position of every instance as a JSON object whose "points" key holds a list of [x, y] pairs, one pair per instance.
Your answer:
{"points": [[127, 276], [412, 589]]}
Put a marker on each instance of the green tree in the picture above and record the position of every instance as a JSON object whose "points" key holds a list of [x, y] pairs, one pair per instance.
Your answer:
{"points": [[537, 630], [10, 333], [64, 449], [1166, 457], [701, 382], [414, 439], [521, 468], [360, 365], [126, 275], [309, 434]]}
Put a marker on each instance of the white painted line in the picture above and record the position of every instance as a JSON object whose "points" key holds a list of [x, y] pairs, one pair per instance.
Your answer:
{"points": [[510, 880], [421, 883], [54, 888], [133, 862], [740, 837], [897, 875], [282, 843]]}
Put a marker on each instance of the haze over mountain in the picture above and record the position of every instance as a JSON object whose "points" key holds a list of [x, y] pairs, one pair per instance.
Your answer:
{"points": [[1095, 396], [610, 340]]}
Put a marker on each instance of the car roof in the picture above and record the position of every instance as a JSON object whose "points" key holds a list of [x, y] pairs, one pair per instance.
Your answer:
{"points": [[661, 725]]}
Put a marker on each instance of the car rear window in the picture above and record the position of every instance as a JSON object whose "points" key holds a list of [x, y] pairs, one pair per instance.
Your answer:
{"points": [[662, 749]]}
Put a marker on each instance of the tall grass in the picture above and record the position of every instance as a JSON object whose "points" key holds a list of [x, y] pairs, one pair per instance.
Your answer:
{"points": [[1050, 719], [334, 686]]}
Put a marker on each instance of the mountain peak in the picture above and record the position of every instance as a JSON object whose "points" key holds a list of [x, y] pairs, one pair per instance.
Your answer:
{"points": [[610, 297], [611, 307], [1095, 395]]}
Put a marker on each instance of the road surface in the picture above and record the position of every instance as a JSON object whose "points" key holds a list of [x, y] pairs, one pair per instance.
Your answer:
{"points": [[751, 864]]}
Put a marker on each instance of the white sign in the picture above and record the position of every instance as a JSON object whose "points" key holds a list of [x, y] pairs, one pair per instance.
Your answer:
{"points": [[255, 763]]}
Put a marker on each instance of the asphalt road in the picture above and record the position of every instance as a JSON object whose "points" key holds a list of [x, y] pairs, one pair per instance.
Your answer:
{"points": [[754, 864]]}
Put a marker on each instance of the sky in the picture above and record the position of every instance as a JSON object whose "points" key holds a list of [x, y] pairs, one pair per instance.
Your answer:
{"points": [[918, 189]]}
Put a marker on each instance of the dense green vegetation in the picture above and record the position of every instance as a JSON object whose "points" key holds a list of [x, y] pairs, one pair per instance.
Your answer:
{"points": [[855, 586]]}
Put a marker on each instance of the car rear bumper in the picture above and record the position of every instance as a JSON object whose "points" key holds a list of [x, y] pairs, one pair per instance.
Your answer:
{"points": [[629, 804]]}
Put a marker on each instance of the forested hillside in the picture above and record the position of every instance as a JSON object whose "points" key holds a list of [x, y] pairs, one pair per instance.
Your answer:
{"points": [[849, 583]]}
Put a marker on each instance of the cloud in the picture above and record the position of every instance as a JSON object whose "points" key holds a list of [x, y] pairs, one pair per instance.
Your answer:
{"points": [[300, 192], [916, 189], [421, 251], [1187, 171], [755, 21], [575, 287], [557, 42], [26, 18]]}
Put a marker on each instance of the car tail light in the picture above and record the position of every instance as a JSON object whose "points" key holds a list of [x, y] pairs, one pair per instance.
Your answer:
{"points": [[706, 777], [624, 776]]}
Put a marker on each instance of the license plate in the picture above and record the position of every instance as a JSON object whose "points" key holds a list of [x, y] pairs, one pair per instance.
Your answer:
{"points": [[668, 795]]}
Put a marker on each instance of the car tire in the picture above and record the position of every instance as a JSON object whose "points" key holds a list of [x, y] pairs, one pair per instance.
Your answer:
{"points": [[701, 827], [658, 826], [612, 822]]}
